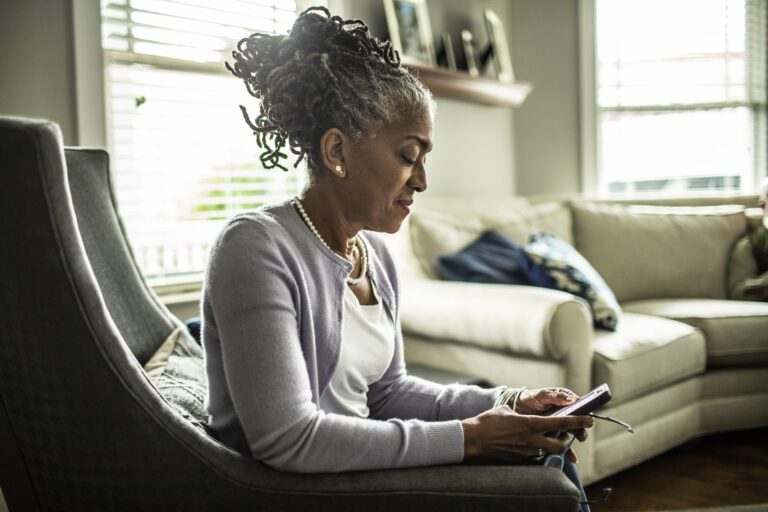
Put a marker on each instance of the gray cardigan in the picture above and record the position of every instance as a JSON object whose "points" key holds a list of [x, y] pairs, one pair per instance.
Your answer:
{"points": [[272, 314]]}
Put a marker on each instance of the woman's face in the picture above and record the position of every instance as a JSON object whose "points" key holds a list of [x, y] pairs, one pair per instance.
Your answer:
{"points": [[385, 171]]}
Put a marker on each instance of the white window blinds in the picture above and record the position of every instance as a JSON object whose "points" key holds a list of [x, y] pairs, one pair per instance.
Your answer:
{"points": [[681, 95], [182, 157]]}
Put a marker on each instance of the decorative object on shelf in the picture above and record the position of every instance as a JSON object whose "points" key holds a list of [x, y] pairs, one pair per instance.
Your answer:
{"points": [[410, 32], [498, 49], [470, 54], [446, 56]]}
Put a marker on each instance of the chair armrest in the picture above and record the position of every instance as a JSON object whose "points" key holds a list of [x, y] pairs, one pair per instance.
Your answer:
{"points": [[445, 488], [523, 320], [448, 488]]}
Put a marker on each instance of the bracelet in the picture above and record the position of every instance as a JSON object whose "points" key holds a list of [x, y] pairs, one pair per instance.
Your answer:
{"points": [[508, 395], [504, 397], [514, 403]]}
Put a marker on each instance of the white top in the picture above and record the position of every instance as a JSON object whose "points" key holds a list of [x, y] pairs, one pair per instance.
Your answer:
{"points": [[367, 348]]}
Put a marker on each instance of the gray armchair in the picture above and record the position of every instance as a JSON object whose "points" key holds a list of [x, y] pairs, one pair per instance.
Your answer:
{"points": [[81, 427]]}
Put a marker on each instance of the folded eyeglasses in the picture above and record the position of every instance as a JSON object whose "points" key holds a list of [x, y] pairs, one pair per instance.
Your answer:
{"points": [[557, 460]]}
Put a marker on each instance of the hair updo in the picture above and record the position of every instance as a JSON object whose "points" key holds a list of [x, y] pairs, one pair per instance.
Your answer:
{"points": [[326, 73]]}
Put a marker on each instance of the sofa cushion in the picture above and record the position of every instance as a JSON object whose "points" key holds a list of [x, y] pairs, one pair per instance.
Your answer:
{"points": [[647, 252], [736, 332], [646, 353], [553, 217], [434, 233], [552, 263]]}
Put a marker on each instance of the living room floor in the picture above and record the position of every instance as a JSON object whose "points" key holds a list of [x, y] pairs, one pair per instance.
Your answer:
{"points": [[713, 471]]}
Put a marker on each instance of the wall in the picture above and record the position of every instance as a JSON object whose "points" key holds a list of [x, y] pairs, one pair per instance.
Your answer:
{"points": [[482, 151], [474, 151], [543, 35], [50, 55], [37, 66]]}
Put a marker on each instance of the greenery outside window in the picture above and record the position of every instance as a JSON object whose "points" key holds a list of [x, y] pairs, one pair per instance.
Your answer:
{"points": [[681, 96], [183, 160]]}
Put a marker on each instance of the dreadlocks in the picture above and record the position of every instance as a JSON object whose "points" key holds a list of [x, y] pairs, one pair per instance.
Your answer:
{"points": [[327, 72]]}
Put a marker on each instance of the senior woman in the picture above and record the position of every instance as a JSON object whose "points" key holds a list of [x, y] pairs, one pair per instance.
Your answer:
{"points": [[301, 328]]}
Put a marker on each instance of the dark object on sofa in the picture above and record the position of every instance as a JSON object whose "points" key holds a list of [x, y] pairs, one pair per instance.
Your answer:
{"points": [[81, 428], [193, 326], [492, 258]]}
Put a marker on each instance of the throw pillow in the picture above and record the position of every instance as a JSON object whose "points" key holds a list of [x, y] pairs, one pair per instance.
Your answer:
{"points": [[177, 371], [492, 258], [550, 262]]}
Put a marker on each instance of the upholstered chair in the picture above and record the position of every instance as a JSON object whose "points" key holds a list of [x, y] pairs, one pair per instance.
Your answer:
{"points": [[82, 427]]}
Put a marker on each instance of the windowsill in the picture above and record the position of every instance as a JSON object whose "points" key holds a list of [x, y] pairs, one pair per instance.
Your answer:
{"points": [[177, 290]]}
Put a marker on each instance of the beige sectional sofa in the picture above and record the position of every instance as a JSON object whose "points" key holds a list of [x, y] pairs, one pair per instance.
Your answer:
{"points": [[684, 360]]}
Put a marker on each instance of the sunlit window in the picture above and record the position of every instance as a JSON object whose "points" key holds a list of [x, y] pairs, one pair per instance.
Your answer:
{"points": [[681, 95], [183, 159]]}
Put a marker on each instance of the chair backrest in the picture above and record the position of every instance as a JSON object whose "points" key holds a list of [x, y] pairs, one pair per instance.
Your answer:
{"points": [[81, 427], [140, 317]]}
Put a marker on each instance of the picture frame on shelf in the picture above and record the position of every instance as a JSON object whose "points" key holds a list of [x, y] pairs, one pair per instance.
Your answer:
{"points": [[498, 49], [446, 56], [470, 52], [410, 31]]}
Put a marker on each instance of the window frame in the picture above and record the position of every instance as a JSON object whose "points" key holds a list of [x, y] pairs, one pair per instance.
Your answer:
{"points": [[590, 141], [92, 113]]}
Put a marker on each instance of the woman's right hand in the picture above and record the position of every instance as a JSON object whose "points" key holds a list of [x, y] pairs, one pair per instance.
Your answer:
{"points": [[501, 433]]}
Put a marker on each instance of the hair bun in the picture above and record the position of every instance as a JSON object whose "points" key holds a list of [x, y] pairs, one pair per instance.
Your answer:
{"points": [[325, 72]]}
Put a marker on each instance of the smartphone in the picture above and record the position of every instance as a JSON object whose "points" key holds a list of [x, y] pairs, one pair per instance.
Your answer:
{"points": [[587, 403]]}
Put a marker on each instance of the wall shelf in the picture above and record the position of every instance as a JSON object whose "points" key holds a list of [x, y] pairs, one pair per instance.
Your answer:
{"points": [[458, 85]]}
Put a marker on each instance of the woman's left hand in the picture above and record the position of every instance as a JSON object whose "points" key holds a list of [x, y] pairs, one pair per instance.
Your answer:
{"points": [[545, 400]]}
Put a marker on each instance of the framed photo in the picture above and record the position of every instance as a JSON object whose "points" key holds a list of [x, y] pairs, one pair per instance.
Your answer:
{"points": [[409, 30], [446, 53], [502, 59], [470, 52]]}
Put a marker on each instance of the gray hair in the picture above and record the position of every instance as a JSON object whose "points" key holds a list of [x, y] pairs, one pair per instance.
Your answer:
{"points": [[326, 73]]}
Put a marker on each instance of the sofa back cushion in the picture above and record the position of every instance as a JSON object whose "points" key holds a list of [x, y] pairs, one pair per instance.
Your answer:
{"points": [[646, 252], [433, 234], [440, 226]]}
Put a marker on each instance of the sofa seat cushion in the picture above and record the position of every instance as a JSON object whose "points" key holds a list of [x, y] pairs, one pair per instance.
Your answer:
{"points": [[736, 332], [646, 353]]}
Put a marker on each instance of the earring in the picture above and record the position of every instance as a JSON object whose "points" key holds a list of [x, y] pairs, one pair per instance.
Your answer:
{"points": [[338, 170]]}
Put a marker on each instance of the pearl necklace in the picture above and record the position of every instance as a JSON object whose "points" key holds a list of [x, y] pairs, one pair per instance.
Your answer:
{"points": [[360, 245]]}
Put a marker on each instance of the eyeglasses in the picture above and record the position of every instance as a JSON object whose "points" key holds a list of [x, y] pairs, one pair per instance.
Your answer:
{"points": [[613, 420], [557, 460]]}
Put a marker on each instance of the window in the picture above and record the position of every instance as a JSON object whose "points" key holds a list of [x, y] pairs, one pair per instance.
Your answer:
{"points": [[182, 157], [681, 96]]}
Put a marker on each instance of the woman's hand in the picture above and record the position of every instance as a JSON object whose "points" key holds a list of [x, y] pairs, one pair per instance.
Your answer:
{"points": [[543, 401], [514, 435]]}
